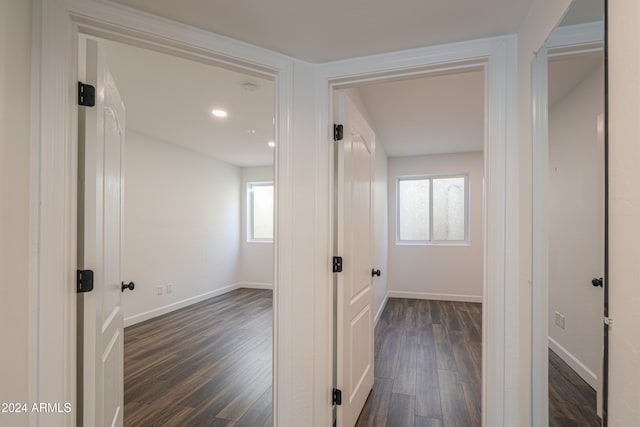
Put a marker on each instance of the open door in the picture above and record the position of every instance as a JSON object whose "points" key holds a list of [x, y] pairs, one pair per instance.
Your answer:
{"points": [[354, 291], [100, 203]]}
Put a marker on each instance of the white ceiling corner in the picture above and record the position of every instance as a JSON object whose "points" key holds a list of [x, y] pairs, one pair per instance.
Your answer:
{"points": [[566, 72], [328, 30], [429, 115]]}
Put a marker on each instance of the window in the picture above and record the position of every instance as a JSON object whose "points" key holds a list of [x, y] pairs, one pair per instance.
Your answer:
{"points": [[260, 212], [432, 209]]}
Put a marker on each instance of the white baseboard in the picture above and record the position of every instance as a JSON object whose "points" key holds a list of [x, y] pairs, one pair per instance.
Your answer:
{"points": [[381, 309], [575, 364], [432, 296], [255, 285], [141, 317]]}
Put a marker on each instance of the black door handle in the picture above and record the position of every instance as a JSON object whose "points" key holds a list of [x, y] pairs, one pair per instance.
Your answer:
{"points": [[597, 282], [375, 272], [131, 286]]}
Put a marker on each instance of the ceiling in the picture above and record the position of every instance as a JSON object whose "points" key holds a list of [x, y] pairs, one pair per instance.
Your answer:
{"points": [[566, 72], [327, 30], [170, 99], [429, 115], [582, 11], [420, 116]]}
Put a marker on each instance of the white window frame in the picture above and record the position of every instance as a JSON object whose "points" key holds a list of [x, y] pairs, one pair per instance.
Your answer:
{"points": [[431, 241], [250, 211]]}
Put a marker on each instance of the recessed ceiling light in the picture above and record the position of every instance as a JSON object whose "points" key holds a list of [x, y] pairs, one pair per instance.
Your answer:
{"points": [[219, 113], [271, 144], [250, 131]]}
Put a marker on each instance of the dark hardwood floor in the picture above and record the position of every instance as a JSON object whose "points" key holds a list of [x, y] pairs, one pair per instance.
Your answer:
{"points": [[572, 402], [208, 364], [428, 358]]}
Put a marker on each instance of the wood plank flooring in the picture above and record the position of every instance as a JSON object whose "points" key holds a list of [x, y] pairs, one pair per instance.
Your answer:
{"points": [[208, 364], [572, 402], [428, 358]]}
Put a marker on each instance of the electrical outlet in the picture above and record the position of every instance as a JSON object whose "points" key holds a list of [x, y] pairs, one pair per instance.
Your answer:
{"points": [[160, 290], [559, 320], [169, 288]]}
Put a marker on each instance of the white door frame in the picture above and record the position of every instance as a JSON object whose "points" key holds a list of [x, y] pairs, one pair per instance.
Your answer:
{"points": [[53, 179], [569, 40], [498, 57]]}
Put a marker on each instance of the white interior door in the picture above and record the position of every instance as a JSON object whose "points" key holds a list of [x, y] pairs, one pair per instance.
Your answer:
{"points": [[101, 144], [355, 335]]}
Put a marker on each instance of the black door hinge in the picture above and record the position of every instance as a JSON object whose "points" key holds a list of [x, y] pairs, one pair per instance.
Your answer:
{"points": [[84, 281], [338, 132], [337, 264], [337, 396], [86, 95]]}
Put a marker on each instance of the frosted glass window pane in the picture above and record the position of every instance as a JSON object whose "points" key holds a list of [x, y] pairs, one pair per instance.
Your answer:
{"points": [[262, 197], [448, 209], [413, 209]]}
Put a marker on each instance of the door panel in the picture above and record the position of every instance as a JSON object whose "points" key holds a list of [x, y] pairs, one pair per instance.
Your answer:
{"points": [[101, 142], [361, 337], [355, 242]]}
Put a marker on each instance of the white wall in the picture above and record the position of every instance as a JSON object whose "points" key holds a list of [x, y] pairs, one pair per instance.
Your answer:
{"points": [[576, 226], [447, 272], [181, 226], [624, 212], [256, 258], [542, 17], [15, 51]]}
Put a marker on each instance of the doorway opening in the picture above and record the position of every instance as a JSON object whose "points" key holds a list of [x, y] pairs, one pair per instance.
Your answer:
{"points": [[569, 250], [576, 248], [427, 249], [197, 227]]}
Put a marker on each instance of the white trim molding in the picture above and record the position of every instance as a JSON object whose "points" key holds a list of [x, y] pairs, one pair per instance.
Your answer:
{"points": [[56, 27], [574, 363], [577, 35], [159, 311], [381, 309], [150, 314], [498, 57], [254, 285], [539, 242], [435, 297]]}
